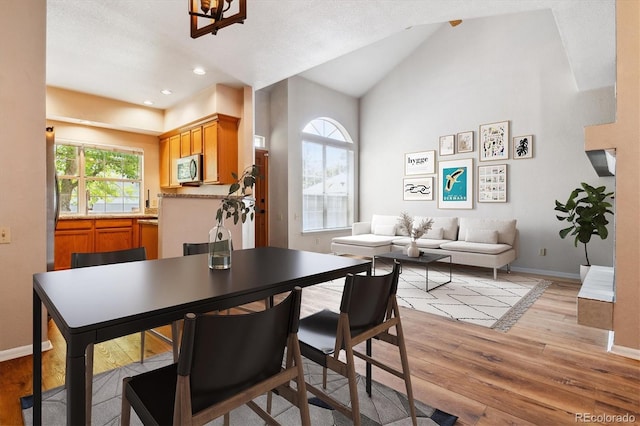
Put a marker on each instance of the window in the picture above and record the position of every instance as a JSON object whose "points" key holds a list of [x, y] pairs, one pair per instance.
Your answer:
{"points": [[98, 179], [327, 176]]}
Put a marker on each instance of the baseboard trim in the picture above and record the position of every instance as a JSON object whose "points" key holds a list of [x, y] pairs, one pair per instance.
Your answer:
{"points": [[22, 351], [622, 350], [547, 273]]}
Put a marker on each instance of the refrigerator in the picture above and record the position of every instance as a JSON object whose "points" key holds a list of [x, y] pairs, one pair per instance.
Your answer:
{"points": [[52, 195]]}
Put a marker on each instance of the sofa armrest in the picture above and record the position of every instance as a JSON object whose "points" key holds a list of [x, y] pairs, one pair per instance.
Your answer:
{"points": [[359, 228]]}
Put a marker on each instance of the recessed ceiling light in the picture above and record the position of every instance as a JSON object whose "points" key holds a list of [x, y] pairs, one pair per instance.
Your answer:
{"points": [[148, 102], [199, 71], [166, 91]]}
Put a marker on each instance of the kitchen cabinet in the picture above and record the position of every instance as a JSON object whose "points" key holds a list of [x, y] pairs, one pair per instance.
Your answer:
{"points": [[72, 236], [169, 153], [185, 144], [174, 154], [220, 146], [114, 234], [148, 238], [196, 140], [165, 163], [94, 235], [215, 137]]}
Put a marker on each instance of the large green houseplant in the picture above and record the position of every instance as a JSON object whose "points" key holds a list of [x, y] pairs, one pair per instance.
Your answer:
{"points": [[586, 213]]}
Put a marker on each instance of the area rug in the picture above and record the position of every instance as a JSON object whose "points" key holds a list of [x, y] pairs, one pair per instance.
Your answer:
{"points": [[472, 296], [385, 407]]}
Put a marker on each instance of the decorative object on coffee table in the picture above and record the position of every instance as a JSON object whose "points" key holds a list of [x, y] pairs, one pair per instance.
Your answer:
{"points": [[414, 231]]}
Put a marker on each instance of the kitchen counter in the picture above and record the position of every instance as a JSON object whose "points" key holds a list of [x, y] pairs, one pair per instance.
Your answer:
{"points": [[148, 222], [109, 216]]}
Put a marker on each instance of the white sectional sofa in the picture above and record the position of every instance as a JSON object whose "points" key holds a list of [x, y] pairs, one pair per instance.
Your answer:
{"points": [[489, 243]]}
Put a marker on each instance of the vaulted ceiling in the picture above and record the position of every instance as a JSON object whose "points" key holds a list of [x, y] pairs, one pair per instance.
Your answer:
{"points": [[130, 50]]}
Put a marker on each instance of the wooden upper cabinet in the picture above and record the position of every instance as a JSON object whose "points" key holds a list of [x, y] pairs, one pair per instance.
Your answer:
{"points": [[196, 140], [174, 154], [220, 143], [185, 144], [165, 163], [216, 140]]}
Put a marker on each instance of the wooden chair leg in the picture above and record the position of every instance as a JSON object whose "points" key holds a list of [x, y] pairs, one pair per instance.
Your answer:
{"points": [[269, 401], [405, 371], [226, 419], [88, 381], [324, 377], [125, 413], [142, 336], [175, 340]]}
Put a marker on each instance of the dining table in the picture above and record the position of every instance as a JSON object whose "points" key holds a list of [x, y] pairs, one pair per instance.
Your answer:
{"points": [[100, 303]]}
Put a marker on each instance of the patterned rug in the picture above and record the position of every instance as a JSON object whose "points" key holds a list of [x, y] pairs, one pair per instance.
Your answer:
{"points": [[472, 295], [385, 407]]}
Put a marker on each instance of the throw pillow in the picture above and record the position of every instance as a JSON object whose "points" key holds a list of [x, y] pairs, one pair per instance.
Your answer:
{"points": [[486, 236], [434, 234], [389, 230]]}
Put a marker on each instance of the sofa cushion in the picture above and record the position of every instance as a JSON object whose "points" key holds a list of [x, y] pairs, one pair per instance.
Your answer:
{"points": [[420, 242], [475, 247], [434, 233], [506, 228], [365, 240], [384, 229], [487, 236], [449, 226]]}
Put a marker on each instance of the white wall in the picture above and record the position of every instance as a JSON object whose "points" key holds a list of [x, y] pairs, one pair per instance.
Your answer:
{"points": [[487, 70], [293, 104]]}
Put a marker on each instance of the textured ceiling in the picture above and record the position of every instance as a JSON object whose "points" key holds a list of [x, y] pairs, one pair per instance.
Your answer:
{"points": [[130, 50]]}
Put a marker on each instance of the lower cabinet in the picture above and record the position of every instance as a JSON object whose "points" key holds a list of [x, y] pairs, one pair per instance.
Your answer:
{"points": [[149, 239], [94, 235]]}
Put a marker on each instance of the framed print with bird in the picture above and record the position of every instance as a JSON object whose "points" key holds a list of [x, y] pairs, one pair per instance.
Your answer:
{"points": [[456, 184]]}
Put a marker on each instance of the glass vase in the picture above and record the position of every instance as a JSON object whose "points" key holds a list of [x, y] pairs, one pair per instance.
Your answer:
{"points": [[220, 247]]}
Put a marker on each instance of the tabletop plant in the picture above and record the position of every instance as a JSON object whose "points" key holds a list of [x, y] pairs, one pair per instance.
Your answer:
{"points": [[414, 230], [586, 213], [233, 205]]}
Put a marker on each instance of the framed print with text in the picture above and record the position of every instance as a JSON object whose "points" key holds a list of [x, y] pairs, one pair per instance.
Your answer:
{"points": [[456, 184], [522, 147], [420, 163], [464, 142], [447, 145], [493, 141], [418, 189], [492, 183]]}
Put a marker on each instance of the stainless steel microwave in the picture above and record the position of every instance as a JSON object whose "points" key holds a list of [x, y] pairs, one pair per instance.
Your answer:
{"points": [[189, 169]]}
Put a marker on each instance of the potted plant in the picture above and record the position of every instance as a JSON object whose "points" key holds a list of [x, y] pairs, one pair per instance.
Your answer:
{"points": [[414, 230], [236, 205], [586, 213]]}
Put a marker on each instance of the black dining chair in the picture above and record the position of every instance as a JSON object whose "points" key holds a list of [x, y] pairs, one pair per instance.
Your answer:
{"points": [[225, 361], [194, 248], [368, 310]]}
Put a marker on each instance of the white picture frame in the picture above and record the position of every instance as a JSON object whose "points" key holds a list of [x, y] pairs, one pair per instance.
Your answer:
{"points": [[447, 145], [464, 142], [420, 163], [418, 188]]}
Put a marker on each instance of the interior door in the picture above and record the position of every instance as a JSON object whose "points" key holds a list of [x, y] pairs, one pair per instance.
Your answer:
{"points": [[262, 199]]}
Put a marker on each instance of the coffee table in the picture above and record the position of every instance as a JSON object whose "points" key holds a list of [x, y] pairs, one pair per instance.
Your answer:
{"points": [[424, 259]]}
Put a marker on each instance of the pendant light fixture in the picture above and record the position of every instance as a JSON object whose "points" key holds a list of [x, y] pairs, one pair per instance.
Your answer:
{"points": [[217, 13]]}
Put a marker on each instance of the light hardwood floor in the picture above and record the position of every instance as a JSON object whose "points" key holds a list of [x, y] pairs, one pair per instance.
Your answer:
{"points": [[545, 370]]}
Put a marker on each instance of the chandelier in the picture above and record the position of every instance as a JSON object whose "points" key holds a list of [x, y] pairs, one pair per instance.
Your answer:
{"points": [[218, 13]]}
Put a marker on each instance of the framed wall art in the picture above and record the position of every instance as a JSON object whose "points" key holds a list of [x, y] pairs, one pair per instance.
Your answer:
{"points": [[456, 184], [522, 147], [492, 183], [447, 145], [418, 188], [464, 142], [493, 141], [420, 163]]}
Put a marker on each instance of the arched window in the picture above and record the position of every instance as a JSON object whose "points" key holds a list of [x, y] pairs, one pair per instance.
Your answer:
{"points": [[327, 176]]}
